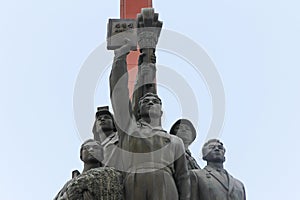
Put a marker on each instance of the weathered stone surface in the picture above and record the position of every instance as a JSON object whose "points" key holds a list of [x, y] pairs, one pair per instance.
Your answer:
{"points": [[101, 183]]}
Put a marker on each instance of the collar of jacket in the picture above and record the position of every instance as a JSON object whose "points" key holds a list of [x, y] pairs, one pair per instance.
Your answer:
{"points": [[154, 130], [212, 171], [111, 139]]}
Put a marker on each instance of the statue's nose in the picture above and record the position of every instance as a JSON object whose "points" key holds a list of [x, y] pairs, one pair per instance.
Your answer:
{"points": [[150, 103], [217, 148], [102, 119]]}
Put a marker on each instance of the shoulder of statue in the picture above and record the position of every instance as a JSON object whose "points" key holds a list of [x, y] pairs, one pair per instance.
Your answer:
{"points": [[237, 181], [199, 173], [175, 139]]}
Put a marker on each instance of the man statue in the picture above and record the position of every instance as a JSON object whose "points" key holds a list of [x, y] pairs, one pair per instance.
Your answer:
{"points": [[105, 131], [185, 130], [153, 159], [214, 182], [95, 182]]}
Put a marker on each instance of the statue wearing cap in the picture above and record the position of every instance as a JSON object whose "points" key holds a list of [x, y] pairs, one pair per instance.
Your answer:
{"points": [[185, 130], [214, 182], [105, 132]]}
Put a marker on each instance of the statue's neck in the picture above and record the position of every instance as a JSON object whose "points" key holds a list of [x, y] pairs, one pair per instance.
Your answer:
{"points": [[88, 166], [154, 122], [107, 132], [216, 165], [101, 135]]}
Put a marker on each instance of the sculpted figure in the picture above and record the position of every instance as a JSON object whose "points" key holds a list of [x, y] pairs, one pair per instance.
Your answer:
{"points": [[154, 160], [105, 131], [185, 130], [95, 182], [214, 182]]}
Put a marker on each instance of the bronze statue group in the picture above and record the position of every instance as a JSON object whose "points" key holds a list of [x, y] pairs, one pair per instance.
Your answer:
{"points": [[132, 157]]}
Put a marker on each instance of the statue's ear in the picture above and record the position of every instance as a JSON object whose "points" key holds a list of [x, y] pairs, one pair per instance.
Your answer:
{"points": [[161, 113]]}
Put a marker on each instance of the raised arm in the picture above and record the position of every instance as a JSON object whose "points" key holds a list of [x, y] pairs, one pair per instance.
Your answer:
{"points": [[119, 93]]}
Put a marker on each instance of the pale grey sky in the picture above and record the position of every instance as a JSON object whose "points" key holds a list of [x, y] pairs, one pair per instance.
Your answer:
{"points": [[253, 44]]}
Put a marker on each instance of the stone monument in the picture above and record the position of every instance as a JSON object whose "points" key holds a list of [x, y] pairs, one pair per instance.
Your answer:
{"points": [[148, 162]]}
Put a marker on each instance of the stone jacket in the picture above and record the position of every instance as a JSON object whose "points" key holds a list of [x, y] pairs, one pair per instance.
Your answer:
{"points": [[109, 145], [210, 184]]}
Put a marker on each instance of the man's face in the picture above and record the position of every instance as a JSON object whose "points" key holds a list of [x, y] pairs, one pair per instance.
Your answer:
{"points": [[92, 152], [215, 152], [104, 122], [184, 132], [150, 106]]}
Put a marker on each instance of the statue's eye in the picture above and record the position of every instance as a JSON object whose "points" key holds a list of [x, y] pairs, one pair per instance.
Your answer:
{"points": [[97, 147], [146, 101], [155, 101], [85, 148]]}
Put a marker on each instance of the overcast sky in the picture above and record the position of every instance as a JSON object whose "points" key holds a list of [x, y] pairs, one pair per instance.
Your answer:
{"points": [[250, 47]]}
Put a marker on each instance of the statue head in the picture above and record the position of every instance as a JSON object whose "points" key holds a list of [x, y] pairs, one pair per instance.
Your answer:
{"points": [[184, 129], [213, 151], [91, 151], [150, 106], [104, 122]]}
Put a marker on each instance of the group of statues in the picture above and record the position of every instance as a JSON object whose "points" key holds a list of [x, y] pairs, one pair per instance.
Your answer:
{"points": [[132, 157]]}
